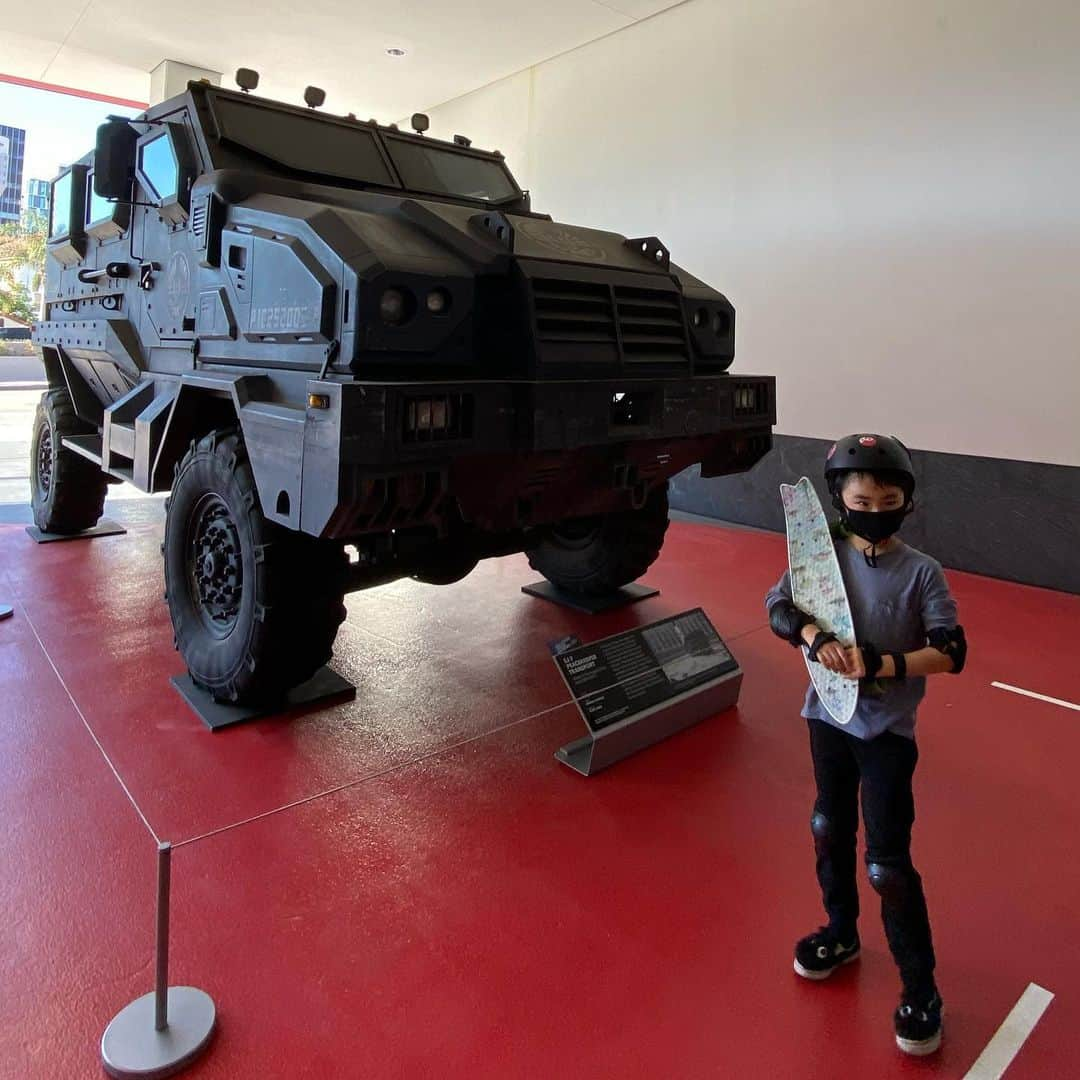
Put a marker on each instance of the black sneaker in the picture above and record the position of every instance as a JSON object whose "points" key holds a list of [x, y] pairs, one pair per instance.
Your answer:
{"points": [[818, 955], [918, 1023]]}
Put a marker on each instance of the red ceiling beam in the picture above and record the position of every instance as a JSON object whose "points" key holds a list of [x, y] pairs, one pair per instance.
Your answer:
{"points": [[33, 84]]}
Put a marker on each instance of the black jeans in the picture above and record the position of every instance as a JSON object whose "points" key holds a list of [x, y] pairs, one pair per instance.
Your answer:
{"points": [[884, 766]]}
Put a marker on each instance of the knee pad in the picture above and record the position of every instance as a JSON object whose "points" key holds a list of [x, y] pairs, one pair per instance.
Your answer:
{"points": [[824, 833], [889, 882]]}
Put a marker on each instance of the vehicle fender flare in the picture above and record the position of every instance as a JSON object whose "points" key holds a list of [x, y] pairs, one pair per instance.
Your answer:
{"points": [[273, 436]]}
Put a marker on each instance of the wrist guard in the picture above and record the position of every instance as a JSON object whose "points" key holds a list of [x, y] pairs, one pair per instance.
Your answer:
{"points": [[900, 661], [823, 637], [953, 644], [787, 621], [871, 659]]}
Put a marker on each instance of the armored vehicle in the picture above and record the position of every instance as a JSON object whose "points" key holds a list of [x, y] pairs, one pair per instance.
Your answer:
{"points": [[355, 353]]}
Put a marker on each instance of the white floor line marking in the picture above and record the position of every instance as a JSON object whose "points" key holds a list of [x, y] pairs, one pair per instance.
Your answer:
{"points": [[1038, 697], [999, 1052], [75, 706], [377, 775]]}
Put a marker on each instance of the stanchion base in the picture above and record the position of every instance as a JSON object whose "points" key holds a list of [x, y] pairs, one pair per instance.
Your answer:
{"points": [[131, 1047], [6, 611]]}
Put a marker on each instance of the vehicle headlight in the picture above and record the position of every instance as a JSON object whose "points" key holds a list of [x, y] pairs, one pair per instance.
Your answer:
{"points": [[395, 306], [438, 301]]}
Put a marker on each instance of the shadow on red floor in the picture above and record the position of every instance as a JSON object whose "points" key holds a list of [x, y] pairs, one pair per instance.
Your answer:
{"points": [[472, 908]]}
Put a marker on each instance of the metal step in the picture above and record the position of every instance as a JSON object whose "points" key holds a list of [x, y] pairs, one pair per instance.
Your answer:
{"points": [[87, 446]]}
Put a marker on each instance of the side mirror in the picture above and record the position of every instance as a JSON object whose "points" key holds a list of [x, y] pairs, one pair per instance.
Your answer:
{"points": [[114, 159]]}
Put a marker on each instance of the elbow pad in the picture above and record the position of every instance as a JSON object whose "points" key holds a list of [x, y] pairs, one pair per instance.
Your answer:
{"points": [[953, 644], [787, 621]]}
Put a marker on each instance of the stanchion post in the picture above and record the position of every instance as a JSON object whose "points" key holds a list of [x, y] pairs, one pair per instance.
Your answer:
{"points": [[161, 983], [164, 1031]]}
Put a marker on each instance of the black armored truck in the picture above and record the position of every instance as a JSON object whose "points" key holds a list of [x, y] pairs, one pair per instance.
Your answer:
{"points": [[354, 353]]}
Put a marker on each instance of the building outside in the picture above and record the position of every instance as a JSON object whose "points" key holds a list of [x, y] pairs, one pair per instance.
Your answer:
{"points": [[37, 197], [12, 149]]}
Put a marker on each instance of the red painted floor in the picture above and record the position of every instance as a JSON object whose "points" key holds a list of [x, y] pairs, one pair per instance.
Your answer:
{"points": [[471, 908]]}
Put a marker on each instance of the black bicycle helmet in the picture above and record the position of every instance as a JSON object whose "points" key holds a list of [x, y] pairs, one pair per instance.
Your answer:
{"points": [[869, 453]]}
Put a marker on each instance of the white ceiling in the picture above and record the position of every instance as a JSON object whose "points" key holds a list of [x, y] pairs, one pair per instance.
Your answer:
{"points": [[340, 45]]}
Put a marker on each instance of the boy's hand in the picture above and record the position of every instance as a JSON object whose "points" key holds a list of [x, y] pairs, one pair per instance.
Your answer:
{"points": [[854, 663], [833, 656]]}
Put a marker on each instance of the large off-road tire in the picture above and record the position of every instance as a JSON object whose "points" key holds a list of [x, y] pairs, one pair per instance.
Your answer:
{"points": [[67, 492], [255, 608], [598, 555]]}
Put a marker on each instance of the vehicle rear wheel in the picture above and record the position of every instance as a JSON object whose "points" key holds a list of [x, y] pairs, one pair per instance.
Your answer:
{"points": [[67, 492], [598, 555], [255, 608]]}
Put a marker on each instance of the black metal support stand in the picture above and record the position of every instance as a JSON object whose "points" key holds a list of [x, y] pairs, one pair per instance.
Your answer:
{"points": [[164, 1031], [105, 527], [591, 605], [325, 687], [600, 749]]}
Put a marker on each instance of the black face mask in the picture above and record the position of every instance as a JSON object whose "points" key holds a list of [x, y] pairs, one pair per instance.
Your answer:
{"points": [[875, 527]]}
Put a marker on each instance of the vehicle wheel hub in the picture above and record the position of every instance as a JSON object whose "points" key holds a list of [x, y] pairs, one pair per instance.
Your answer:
{"points": [[216, 564], [577, 534], [45, 460]]}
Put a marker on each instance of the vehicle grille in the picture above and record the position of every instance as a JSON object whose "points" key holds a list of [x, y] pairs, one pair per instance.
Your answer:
{"points": [[574, 312], [594, 321], [651, 325]]}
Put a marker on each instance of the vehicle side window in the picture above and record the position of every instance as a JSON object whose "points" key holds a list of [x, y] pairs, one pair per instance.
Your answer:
{"points": [[158, 164], [98, 208], [60, 221]]}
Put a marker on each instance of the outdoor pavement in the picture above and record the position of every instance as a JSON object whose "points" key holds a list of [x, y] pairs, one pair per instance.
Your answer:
{"points": [[16, 422], [17, 370], [16, 426]]}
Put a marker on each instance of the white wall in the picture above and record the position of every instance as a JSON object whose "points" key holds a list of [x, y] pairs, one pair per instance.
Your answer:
{"points": [[888, 190]]}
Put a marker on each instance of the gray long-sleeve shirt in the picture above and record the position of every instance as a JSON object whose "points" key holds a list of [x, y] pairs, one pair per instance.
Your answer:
{"points": [[895, 606]]}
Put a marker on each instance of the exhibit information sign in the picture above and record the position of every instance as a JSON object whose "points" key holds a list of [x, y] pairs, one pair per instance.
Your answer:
{"points": [[622, 676]]}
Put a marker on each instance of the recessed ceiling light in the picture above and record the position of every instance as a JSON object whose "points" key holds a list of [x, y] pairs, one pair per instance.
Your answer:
{"points": [[395, 52]]}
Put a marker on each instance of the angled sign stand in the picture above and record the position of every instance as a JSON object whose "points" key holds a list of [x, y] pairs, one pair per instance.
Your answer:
{"points": [[638, 687]]}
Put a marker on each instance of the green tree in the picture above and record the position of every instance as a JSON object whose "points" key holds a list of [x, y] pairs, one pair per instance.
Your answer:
{"points": [[17, 302], [23, 244]]}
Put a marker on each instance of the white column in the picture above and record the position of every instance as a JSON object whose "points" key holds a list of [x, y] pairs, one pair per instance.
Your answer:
{"points": [[171, 77]]}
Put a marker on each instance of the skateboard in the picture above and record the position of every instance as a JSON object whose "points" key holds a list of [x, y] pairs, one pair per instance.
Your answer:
{"points": [[818, 589]]}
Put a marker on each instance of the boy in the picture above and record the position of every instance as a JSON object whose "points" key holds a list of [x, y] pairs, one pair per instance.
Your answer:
{"points": [[905, 626]]}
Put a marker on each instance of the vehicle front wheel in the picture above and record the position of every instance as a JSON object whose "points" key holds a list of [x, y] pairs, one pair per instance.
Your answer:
{"points": [[255, 608], [597, 555], [67, 492]]}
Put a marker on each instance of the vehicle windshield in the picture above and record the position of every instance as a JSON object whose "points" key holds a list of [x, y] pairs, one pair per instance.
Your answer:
{"points": [[323, 146], [330, 147], [438, 171]]}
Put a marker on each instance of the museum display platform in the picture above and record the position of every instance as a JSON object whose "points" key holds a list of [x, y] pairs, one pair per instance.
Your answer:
{"points": [[410, 885]]}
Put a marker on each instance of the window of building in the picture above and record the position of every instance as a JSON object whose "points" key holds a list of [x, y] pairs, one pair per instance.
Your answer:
{"points": [[158, 165]]}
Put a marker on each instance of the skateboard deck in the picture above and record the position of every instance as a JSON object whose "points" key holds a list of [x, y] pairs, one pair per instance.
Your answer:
{"points": [[818, 589]]}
